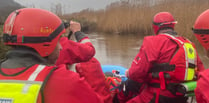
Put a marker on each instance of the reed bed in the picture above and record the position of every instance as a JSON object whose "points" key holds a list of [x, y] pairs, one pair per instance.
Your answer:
{"points": [[136, 17]]}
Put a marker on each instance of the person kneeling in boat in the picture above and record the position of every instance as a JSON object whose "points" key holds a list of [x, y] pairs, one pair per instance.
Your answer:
{"points": [[28, 74], [163, 62]]}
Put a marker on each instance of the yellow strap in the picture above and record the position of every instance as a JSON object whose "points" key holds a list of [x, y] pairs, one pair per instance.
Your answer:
{"points": [[190, 54]]}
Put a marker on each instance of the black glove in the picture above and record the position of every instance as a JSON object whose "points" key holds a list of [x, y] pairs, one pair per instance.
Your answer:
{"points": [[66, 24], [130, 86], [69, 34]]}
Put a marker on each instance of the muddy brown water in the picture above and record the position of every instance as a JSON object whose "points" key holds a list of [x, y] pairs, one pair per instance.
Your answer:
{"points": [[115, 49]]}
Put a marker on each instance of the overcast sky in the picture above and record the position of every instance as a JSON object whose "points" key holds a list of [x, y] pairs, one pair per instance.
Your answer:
{"points": [[69, 5]]}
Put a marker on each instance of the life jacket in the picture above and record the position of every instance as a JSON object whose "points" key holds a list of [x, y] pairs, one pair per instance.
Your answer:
{"points": [[180, 68], [24, 86], [113, 82]]}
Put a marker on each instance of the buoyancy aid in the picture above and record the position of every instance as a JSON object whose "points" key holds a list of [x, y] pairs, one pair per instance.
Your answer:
{"points": [[180, 68], [24, 86]]}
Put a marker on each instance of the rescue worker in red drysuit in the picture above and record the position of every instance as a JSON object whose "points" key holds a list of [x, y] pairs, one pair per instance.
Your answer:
{"points": [[201, 31], [34, 36], [83, 51], [161, 63]]}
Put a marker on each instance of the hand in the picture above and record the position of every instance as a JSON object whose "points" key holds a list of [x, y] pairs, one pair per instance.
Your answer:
{"points": [[75, 26], [127, 74]]}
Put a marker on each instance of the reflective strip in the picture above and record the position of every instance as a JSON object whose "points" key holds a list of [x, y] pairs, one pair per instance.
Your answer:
{"points": [[186, 87], [26, 88], [85, 40], [124, 87], [72, 67], [192, 61], [20, 81], [186, 63], [36, 72], [33, 77], [135, 61], [9, 26], [173, 37], [191, 56]]}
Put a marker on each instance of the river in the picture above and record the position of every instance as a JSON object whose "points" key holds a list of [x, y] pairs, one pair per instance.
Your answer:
{"points": [[115, 49]]}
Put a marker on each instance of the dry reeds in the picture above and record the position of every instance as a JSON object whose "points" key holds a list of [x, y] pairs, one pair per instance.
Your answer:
{"points": [[135, 17]]}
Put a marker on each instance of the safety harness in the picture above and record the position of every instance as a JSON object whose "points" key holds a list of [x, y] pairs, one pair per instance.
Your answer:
{"points": [[24, 87], [180, 68]]}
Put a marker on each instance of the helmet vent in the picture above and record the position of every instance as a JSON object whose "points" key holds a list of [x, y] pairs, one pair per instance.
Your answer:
{"points": [[204, 39], [46, 45]]}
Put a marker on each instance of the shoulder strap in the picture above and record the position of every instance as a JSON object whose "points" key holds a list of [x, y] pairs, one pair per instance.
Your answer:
{"points": [[44, 84], [173, 38]]}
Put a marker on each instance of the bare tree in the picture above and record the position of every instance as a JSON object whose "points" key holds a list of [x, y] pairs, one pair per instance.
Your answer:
{"points": [[57, 9]]}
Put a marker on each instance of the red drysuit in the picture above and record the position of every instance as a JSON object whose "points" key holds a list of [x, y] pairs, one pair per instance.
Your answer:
{"points": [[93, 74], [155, 49], [75, 52], [202, 91]]}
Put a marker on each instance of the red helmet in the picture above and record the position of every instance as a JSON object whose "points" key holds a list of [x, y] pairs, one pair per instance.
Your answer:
{"points": [[35, 28], [163, 20], [201, 29]]}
